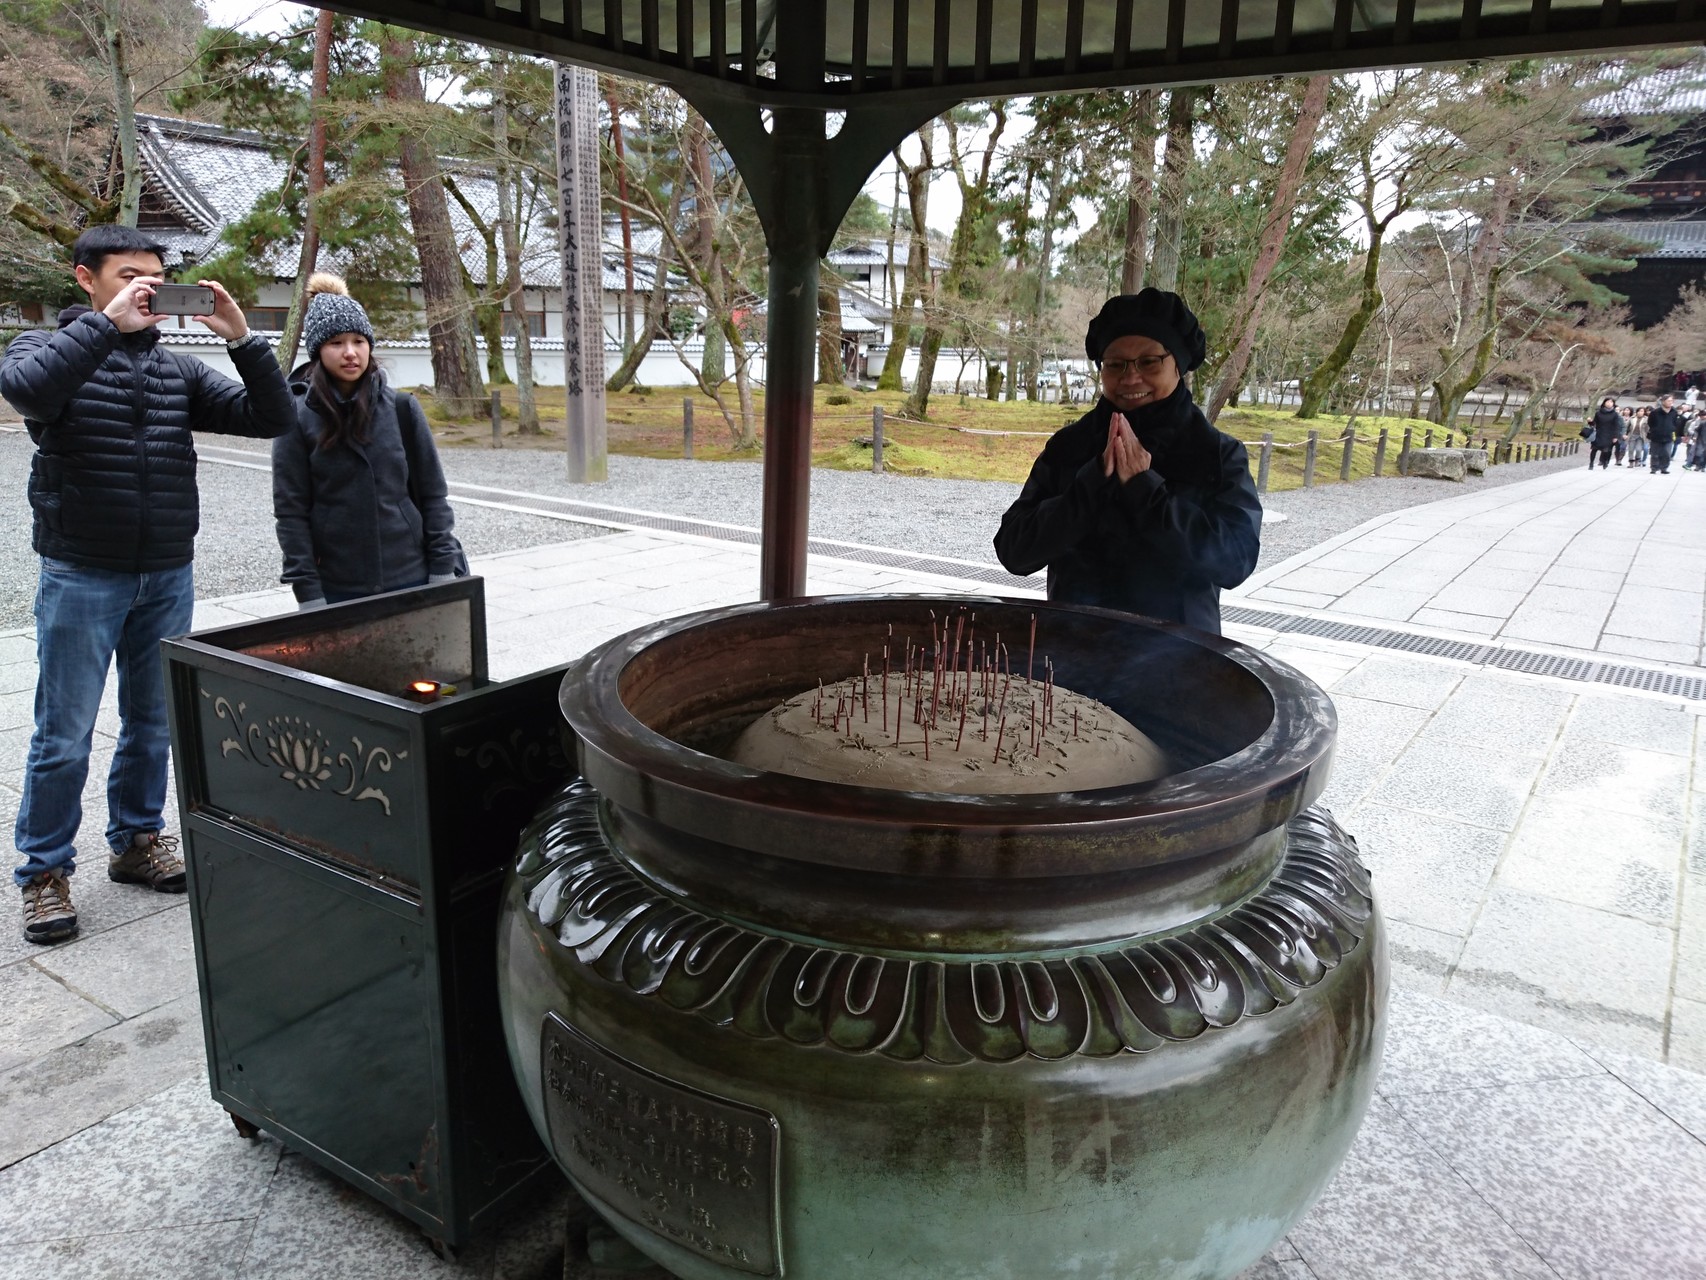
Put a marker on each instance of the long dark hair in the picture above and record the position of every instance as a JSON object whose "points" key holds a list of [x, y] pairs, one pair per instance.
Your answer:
{"points": [[344, 419]]}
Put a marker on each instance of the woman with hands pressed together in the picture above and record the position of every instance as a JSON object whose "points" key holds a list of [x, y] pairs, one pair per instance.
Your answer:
{"points": [[1140, 505]]}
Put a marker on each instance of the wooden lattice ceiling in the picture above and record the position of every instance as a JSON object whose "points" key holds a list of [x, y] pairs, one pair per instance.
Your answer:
{"points": [[853, 52]]}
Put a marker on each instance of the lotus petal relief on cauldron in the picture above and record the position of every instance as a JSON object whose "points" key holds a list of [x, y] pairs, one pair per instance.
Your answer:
{"points": [[1132, 997]]}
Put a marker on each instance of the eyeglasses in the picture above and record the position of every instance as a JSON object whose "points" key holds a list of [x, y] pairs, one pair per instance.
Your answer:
{"points": [[1118, 369]]}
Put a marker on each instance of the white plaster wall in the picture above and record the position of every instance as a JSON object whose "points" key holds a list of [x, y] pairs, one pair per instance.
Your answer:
{"points": [[411, 366]]}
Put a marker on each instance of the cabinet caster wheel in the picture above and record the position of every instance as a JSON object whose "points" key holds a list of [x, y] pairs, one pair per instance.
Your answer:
{"points": [[443, 1250], [243, 1127]]}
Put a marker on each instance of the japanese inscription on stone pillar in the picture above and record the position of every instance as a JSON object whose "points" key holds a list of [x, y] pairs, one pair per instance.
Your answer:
{"points": [[694, 1169], [582, 225]]}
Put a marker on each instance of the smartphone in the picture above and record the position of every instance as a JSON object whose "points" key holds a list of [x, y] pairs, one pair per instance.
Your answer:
{"points": [[181, 300]]}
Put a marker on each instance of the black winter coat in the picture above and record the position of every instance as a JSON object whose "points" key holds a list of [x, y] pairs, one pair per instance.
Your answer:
{"points": [[1608, 428], [1166, 543], [346, 520], [1664, 425], [112, 484]]}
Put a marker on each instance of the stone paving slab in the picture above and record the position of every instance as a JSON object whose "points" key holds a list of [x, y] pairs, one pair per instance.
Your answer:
{"points": [[1601, 561]]}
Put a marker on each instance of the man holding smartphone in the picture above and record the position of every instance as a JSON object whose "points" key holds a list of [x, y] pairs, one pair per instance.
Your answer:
{"points": [[113, 491]]}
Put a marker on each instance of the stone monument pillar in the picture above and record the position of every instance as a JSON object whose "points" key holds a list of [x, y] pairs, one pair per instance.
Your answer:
{"points": [[582, 223]]}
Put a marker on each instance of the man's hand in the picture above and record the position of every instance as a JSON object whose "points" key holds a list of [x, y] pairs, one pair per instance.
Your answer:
{"points": [[129, 308], [227, 319], [1124, 454]]}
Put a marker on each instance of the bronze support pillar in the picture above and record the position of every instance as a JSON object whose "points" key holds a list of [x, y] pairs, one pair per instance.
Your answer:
{"points": [[794, 235]]}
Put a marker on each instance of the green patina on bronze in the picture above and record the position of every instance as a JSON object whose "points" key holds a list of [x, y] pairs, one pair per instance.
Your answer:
{"points": [[1125, 1033]]}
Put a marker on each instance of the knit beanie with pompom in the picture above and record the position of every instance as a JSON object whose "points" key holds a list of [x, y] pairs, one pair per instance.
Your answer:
{"points": [[331, 311]]}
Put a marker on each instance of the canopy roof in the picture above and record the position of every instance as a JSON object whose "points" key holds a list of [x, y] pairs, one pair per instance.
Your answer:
{"points": [[837, 53]]}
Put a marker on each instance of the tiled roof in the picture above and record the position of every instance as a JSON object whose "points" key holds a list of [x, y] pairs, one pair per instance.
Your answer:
{"points": [[1676, 91], [862, 253], [205, 177], [1662, 239]]}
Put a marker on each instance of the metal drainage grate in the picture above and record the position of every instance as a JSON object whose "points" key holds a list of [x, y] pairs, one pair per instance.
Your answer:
{"points": [[1588, 670]]}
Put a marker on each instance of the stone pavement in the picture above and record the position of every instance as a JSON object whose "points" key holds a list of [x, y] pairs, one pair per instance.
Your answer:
{"points": [[1606, 561], [1535, 844]]}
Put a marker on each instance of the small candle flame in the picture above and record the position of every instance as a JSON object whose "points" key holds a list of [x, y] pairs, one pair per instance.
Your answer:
{"points": [[424, 686]]}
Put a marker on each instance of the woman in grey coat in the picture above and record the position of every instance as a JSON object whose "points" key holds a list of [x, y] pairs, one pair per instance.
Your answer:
{"points": [[358, 493]]}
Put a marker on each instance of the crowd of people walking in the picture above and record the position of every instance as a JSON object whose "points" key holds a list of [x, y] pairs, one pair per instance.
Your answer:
{"points": [[1650, 435]]}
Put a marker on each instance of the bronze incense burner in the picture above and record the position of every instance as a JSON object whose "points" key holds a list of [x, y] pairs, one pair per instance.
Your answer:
{"points": [[777, 1026]]}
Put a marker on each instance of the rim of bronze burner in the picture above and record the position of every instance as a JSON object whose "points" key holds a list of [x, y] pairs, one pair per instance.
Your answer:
{"points": [[1215, 805]]}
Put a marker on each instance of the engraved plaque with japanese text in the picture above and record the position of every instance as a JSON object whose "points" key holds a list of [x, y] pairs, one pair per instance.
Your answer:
{"points": [[695, 1169]]}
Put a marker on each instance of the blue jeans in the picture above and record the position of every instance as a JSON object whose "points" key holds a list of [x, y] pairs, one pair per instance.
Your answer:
{"points": [[84, 617]]}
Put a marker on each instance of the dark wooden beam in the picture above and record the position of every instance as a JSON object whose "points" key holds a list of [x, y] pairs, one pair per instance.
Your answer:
{"points": [[861, 42], [898, 54], [940, 34], [749, 41], [1122, 32], [1229, 26]]}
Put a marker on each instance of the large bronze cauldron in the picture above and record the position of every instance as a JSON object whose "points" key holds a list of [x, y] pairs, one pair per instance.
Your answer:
{"points": [[774, 1026]]}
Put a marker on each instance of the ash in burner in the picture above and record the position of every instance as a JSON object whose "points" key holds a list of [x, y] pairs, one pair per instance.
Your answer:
{"points": [[954, 719]]}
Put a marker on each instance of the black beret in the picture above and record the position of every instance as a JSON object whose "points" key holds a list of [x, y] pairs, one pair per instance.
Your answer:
{"points": [[1154, 313]]}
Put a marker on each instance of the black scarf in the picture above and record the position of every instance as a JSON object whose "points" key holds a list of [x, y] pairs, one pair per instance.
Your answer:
{"points": [[1161, 427]]}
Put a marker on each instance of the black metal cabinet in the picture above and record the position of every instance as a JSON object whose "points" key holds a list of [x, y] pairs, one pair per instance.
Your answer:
{"points": [[346, 845]]}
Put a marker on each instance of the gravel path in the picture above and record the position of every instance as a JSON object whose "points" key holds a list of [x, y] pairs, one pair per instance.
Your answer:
{"points": [[236, 551], [954, 518]]}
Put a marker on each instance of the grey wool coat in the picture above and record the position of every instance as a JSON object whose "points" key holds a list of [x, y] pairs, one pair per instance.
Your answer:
{"points": [[346, 521]]}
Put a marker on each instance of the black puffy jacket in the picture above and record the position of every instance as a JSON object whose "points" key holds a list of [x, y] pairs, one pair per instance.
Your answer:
{"points": [[112, 483], [1163, 544], [358, 519]]}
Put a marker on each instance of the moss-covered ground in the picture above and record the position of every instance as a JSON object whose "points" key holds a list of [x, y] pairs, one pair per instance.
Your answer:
{"points": [[965, 438]]}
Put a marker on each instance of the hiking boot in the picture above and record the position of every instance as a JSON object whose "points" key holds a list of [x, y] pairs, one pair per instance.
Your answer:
{"points": [[153, 860], [48, 913]]}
